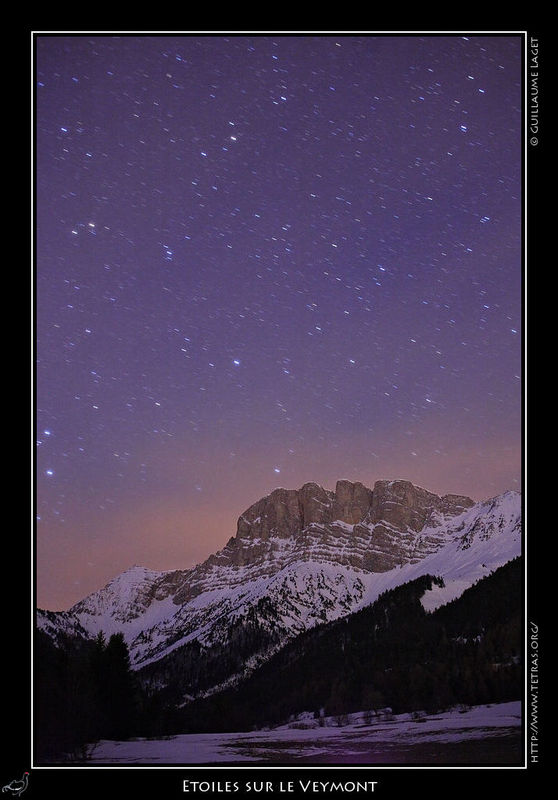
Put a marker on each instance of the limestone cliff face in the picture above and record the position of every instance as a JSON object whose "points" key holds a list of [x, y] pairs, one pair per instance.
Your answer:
{"points": [[404, 519], [375, 530], [409, 507], [352, 502], [284, 512], [386, 522]]}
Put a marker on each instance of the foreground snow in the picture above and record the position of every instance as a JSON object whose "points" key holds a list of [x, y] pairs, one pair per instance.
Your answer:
{"points": [[401, 739]]}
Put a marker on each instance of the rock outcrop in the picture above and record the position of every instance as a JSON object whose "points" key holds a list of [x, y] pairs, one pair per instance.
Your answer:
{"points": [[385, 522]]}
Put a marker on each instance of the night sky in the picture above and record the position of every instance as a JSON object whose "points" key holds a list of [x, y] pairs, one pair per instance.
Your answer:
{"points": [[264, 260]]}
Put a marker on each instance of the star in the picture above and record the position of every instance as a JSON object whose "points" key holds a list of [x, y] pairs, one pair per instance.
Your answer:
{"points": [[343, 224]]}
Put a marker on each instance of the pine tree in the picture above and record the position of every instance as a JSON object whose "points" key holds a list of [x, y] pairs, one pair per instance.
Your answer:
{"points": [[121, 689]]}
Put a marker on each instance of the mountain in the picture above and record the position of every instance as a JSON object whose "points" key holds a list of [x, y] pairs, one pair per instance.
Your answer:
{"points": [[299, 558], [390, 656]]}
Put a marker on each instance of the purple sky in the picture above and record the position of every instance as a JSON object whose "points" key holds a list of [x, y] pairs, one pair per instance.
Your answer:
{"points": [[264, 260]]}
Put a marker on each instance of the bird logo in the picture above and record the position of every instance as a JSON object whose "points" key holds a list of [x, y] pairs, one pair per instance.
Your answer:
{"points": [[17, 787]]}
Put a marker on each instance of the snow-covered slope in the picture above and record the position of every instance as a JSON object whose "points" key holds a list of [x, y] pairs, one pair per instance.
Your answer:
{"points": [[300, 558], [477, 542]]}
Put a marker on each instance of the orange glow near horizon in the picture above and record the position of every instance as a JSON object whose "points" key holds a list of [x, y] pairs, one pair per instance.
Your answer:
{"points": [[174, 532]]}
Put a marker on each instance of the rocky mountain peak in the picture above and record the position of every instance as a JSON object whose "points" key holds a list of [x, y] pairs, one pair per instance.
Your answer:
{"points": [[285, 512], [409, 507], [373, 530], [352, 501]]}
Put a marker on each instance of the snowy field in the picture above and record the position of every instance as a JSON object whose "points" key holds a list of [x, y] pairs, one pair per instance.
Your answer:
{"points": [[481, 735]]}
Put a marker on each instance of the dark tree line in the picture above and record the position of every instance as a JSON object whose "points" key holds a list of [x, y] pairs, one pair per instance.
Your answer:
{"points": [[390, 654], [86, 691], [194, 667]]}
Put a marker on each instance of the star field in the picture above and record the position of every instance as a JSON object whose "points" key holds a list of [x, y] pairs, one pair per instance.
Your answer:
{"points": [[264, 260]]}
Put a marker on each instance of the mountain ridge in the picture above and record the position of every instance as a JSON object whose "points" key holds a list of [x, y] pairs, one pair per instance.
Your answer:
{"points": [[299, 557]]}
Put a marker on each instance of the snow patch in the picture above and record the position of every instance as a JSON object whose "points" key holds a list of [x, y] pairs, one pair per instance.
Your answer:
{"points": [[330, 744]]}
